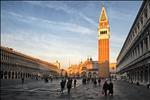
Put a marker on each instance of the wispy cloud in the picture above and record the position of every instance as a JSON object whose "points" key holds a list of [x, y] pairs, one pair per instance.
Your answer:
{"points": [[62, 25], [88, 19], [63, 7]]}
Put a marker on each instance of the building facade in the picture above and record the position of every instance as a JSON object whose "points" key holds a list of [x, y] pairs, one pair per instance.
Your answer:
{"points": [[103, 44], [87, 68], [134, 57], [112, 70], [15, 65]]}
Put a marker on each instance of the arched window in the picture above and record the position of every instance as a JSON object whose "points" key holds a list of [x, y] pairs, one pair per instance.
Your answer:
{"points": [[19, 75], [5, 74], [1, 74], [9, 74], [16, 75], [13, 75], [145, 13]]}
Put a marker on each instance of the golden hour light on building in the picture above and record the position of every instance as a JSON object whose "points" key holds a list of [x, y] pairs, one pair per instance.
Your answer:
{"points": [[75, 50], [103, 44]]}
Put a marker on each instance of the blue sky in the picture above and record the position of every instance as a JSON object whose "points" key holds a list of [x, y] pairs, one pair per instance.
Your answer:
{"points": [[64, 30]]}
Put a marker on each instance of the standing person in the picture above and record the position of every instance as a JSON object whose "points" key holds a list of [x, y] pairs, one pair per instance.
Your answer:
{"points": [[62, 84], [99, 81], [69, 85], [105, 88], [65, 81], [75, 81], [95, 82], [111, 88]]}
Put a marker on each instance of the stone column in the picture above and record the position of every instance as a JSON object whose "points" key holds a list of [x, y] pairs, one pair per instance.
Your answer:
{"points": [[148, 41], [149, 74], [138, 75], [140, 50], [144, 46], [143, 74]]}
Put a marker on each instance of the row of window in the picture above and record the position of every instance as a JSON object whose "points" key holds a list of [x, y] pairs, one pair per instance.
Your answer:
{"points": [[13, 58], [139, 50], [17, 60], [136, 30], [14, 75]]}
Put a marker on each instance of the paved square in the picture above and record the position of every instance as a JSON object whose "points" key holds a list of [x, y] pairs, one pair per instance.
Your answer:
{"points": [[51, 91]]}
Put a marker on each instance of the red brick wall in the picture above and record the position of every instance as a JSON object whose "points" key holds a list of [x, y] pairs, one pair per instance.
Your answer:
{"points": [[103, 57]]}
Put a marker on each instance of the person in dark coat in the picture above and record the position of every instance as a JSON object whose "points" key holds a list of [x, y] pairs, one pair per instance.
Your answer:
{"points": [[99, 81], [111, 88], [95, 82], [105, 88], [62, 84], [75, 81], [69, 85]]}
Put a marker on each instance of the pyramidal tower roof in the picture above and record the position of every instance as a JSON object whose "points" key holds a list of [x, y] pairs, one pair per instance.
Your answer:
{"points": [[103, 16]]}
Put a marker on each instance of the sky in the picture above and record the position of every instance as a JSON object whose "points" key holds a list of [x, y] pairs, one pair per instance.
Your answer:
{"points": [[64, 30]]}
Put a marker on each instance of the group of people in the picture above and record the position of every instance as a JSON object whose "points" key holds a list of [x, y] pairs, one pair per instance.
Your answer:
{"points": [[94, 81], [69, 84], [108, 87], [46, 79]]}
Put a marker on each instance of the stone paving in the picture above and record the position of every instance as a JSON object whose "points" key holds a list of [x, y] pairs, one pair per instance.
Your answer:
{"points": [[51, 91]]}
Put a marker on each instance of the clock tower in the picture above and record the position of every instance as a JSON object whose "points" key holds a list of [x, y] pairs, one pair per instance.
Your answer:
{"points": [[103, 44]]}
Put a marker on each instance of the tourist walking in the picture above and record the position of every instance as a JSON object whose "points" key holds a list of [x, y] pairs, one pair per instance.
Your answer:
{"points": [[75, 81], [62, 84], [99, 81], [95, 82], [110, 88], [105, 88], [69, 85]]}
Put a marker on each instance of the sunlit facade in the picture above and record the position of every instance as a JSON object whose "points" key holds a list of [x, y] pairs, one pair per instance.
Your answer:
{"points": [[87, 68], [15, 65], [103, 44]]}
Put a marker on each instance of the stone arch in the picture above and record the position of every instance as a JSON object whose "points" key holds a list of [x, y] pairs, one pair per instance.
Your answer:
{"points": [[146, 74], [28, 75], [94, 74], [9, 74], [1, 74], [89, 74], [24, 74], [19, 75], [5, 74], [13, 74], [16, 75]]}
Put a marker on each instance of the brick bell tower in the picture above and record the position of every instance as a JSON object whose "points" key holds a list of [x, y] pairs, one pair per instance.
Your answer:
{"points": [[103, 44]]}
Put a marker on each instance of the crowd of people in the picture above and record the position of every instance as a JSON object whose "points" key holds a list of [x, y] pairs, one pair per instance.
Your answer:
{"points": [[68, 84], [107, 88]]}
